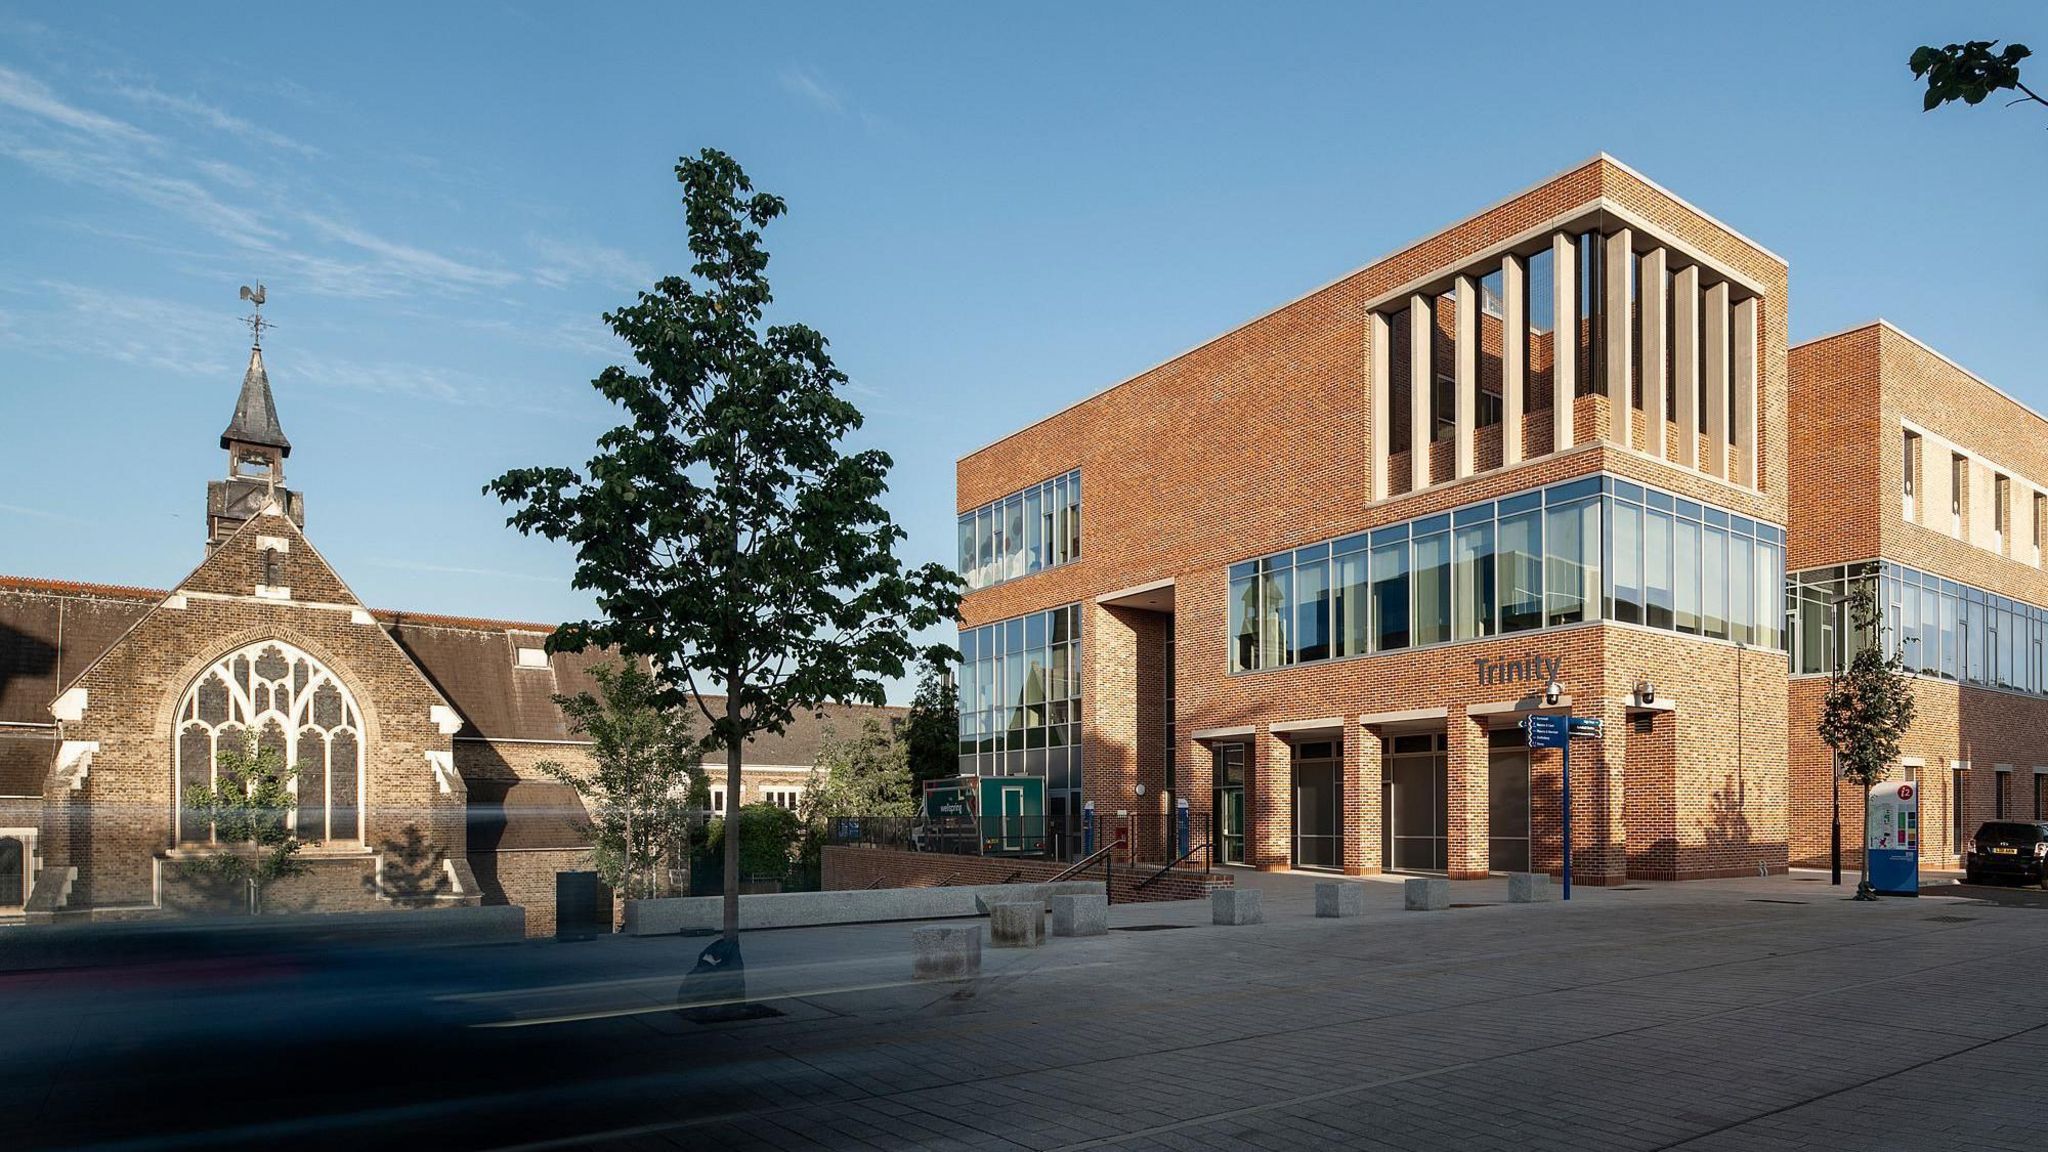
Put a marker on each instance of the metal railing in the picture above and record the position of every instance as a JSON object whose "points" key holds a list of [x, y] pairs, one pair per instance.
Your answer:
{"points": [[1208, 864]]}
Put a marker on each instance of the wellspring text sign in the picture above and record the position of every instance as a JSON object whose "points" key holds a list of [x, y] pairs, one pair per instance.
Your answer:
{"points": [[1535, 669]]}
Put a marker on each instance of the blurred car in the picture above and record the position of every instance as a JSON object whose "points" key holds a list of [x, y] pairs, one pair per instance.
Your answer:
{"points": [[2008, 850]]}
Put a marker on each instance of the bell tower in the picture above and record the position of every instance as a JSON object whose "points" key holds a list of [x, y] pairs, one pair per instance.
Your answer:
{"points": [[256, 448]]}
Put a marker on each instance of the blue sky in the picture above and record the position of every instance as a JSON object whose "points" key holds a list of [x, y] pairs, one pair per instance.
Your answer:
{"points": [[991, 216]]}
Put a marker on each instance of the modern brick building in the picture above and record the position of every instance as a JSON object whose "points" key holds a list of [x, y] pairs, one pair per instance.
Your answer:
{"points": [[1929, 486], [416, 736], [1547, 459]]}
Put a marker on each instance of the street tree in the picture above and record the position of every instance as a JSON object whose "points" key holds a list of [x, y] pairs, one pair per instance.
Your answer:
{"points": [[864, 773], [249, 806], [725, 530], [645, 770], [1971, 72], [931, 729], [1868, 708]]}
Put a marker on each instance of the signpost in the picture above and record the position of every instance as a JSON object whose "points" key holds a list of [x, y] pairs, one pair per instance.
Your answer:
{"points": [[1555, 730]]}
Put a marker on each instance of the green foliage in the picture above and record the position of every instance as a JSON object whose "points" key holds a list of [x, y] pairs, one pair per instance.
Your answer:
{"points": [[931, 731], [1970, 72], [768, 842], [1868, 707], [726, 535], [865, 774], [249, 806], [646, 772], [1869, 704]]}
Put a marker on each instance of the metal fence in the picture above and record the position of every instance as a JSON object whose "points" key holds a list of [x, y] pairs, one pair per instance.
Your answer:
{"points": [[1147, 837]]}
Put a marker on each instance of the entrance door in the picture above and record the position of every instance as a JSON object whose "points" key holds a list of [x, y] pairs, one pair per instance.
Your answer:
{"points": [[1230, 825], [1507, 810], [1318, 806], [1228, 833], [1419, 827], [1013, 819]]}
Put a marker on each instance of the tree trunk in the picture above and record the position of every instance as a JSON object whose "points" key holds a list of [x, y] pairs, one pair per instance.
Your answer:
{"points": [[1863, 879], [732, 814]]}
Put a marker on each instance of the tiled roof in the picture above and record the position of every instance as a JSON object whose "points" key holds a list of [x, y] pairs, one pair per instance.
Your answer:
{"points": [[50, 630], [508, 815]]}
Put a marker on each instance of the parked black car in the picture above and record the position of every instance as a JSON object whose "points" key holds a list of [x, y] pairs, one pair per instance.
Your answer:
{"points": [[2008, 849]]}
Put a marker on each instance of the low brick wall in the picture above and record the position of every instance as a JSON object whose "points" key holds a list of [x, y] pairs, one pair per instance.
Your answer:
{"points": [[847, 868], [862, 906]]}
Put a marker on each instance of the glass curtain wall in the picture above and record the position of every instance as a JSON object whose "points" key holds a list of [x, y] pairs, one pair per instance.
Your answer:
{"points": [[1037, 528], [1020, 699], [1943, 628], [1591, 549]]}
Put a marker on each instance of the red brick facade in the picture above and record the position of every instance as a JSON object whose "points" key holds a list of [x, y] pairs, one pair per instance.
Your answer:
{"points": [[1261, 440], [1855, 396]]}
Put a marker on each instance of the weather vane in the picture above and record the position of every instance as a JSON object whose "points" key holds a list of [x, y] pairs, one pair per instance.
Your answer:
{"points": [[255, 319]]}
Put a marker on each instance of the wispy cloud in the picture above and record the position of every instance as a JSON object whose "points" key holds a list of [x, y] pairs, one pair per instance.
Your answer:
{"points": [[197, 111], [808, 85], [25, 93], [564, 261], [408, 260], [387, 378], [163, 336], [258, 218]]}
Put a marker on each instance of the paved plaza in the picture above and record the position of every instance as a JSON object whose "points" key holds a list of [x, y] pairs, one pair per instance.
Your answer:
{"points": [[1767, 1014]]}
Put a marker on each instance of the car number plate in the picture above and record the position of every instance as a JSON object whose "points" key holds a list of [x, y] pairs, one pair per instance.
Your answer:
{"points": [[2006, 851]]}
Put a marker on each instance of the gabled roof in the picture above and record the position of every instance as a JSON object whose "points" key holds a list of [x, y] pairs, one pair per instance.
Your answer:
{"points": [[255, 419], [52, 630]]}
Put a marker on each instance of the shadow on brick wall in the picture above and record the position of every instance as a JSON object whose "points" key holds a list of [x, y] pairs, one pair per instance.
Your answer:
{"points": [[413, 875]]}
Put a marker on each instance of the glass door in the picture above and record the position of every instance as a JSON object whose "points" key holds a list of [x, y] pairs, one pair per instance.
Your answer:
{"points": [[1228, 833], [1507, 810], [1230, 825], [1013, 819], [1318, 808], [1416, 812]]}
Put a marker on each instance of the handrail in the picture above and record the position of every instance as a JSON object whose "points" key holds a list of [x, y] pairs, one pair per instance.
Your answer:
{"points": [[1087, 862], [1012, 877], [1208, 864]]}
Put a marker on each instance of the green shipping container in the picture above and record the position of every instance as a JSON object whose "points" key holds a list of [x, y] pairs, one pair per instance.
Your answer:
{"points": [[1004, 815]]}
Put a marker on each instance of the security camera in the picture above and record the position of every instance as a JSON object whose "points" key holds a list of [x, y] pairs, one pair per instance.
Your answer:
{"points": [[1553, 692], [1646, 692]]}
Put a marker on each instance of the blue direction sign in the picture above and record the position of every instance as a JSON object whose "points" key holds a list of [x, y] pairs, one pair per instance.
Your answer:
{"points": [[1589, 727], [1547, 730]]}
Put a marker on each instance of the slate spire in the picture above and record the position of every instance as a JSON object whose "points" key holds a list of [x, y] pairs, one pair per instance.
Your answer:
{"points": [[255, 419]]}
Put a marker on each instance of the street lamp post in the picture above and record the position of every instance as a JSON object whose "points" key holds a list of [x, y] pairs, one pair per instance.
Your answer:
{"points": [[1835, 776]]}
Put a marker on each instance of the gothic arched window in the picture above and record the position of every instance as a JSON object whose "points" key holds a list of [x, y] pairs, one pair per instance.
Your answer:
{"points": [[296, 707]]}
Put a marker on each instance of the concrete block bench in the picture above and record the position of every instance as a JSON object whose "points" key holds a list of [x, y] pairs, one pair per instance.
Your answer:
{"points": [[1016, 924], [1236, 906], [1335, 899], [945, 952], [1528, 887], [1080, 915], [1426, 894]]}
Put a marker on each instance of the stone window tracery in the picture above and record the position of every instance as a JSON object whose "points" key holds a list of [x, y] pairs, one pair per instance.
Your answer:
{"points": [[298, 708]]}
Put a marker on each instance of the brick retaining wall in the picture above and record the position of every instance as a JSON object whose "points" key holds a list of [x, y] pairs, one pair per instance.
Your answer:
{"points": [[847, 868]]}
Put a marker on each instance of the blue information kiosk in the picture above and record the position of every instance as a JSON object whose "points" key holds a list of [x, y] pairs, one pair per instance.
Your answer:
{"points": [[1891, 836]]}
